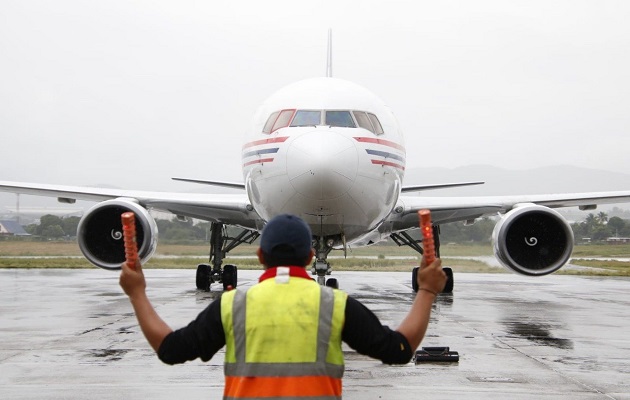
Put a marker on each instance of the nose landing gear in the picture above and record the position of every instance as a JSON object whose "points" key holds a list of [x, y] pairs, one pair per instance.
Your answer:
{"points": [[321, 267]]}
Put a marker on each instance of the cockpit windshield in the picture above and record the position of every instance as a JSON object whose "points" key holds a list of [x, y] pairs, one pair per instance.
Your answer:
{"points": [[340, 118], [307, 118], [335, 118]]}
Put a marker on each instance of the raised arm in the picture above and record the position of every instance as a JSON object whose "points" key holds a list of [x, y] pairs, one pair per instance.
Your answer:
{"points": [[153, 327], [431, 281]]}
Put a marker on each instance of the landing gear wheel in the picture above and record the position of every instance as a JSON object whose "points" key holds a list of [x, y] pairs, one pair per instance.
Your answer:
{"points": [[321, 279], [449, 280], [333, 283], [203, 277], [229, 277], [414, 279]]}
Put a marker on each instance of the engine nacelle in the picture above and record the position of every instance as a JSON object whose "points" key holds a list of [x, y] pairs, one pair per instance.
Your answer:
{"points": [[532, 240], [100, 234]]}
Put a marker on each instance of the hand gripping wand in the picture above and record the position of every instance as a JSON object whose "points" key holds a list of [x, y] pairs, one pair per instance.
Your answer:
{"points": [[426, 227], [129, 234]]}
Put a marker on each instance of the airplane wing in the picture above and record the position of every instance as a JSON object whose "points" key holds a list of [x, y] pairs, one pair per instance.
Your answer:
{"points": [[418, 188], [452, 209], [231, 185], [231, 209]]}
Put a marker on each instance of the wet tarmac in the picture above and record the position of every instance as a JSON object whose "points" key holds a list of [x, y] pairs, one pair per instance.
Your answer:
{"points": [[71, 334]]}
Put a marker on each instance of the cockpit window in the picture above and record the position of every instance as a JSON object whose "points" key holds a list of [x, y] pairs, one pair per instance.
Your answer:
{"points": [[307, 118], [368, 121], [340, 118], [336, 118], [378, 129], [269, 124], [283, 119], [363, 120]]}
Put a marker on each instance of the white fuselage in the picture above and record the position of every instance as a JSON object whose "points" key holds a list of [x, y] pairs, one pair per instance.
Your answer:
{"points": [[326, 159]]}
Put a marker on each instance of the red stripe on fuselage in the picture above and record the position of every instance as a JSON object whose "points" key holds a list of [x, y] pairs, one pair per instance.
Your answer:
{"points": [[388, 163], [260, 161], [384, 142], [278, 139]]}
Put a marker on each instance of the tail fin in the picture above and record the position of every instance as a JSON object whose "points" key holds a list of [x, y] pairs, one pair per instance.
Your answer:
{"points": [[329, 59]]}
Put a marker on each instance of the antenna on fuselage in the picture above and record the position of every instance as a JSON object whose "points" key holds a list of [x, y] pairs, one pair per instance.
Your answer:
{"points": [[329, 58]]}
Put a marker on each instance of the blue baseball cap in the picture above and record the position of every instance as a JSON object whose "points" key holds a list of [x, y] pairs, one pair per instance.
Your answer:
{"points": [[289, 232]]}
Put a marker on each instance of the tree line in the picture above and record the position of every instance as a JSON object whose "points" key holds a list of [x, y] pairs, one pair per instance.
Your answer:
{"points": [[598, 227], [595, 227]]}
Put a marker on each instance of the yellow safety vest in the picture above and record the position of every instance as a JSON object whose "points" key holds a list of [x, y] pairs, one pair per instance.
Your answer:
{"points": [[283, 338]]}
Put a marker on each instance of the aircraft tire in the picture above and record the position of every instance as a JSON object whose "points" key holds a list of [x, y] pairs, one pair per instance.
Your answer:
{"points": [[229, 276], [414, 279], [333, 283], [203, 277], [450, 283]]}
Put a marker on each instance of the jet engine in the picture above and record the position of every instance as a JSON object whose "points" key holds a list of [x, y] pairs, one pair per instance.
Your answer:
{"points": [[100, 233], [532, 240]]}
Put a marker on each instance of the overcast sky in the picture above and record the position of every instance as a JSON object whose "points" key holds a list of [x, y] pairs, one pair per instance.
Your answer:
{"points": [[131, 93]]}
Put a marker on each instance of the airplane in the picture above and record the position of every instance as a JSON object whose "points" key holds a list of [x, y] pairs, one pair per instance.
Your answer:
{"points": [[331, 152]]}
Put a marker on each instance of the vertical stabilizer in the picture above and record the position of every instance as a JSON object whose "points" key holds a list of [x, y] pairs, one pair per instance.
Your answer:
{"points": [[329, 58]]}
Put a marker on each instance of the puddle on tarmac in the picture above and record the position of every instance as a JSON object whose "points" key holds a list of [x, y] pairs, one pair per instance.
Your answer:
{"points": [[108, 354], [538, 333]]}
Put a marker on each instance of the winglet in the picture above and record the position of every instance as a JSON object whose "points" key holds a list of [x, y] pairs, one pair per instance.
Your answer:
{"points": [[329, 58]]}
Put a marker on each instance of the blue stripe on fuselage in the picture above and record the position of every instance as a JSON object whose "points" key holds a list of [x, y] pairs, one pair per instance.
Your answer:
{"points": [[385, 154]]}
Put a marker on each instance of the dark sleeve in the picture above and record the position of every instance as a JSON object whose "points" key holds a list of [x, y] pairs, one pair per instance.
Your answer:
{"points": [[363, 332], [202, 338]]}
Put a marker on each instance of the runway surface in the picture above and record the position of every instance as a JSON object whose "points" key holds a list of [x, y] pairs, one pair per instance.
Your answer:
{"points": [[71, 334]]}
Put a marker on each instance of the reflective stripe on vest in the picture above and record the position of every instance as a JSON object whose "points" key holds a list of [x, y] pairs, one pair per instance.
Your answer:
{"points": [[283, 340]]}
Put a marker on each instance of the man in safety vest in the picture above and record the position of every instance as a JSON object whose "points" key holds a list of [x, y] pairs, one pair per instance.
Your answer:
{"points": [[283, 335]]}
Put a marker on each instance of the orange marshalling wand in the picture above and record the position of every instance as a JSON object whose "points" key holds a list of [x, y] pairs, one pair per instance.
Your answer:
{"points": [[129, 234], [426, 227]]}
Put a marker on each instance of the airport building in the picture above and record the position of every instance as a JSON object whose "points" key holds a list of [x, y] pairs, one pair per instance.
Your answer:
{"points": [[12, 228]]}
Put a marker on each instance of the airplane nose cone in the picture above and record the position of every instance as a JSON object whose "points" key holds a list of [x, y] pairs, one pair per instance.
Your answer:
{"points": [[322, 164]]}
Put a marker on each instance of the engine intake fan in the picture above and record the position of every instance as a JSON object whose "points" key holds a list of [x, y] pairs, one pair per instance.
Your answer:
{"points": [[100, 234], [532, 240]]}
